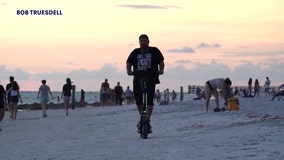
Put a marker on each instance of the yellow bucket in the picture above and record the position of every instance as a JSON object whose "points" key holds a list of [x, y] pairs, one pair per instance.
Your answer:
{"points": [[233, 104]]}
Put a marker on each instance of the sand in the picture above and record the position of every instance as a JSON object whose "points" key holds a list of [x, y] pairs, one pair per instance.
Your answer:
{"points": [[181, 131]]}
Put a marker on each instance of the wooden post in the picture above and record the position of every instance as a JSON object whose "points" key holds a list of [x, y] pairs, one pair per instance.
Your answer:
{"points": [[181, 94], [82, 99], [73, 103]]}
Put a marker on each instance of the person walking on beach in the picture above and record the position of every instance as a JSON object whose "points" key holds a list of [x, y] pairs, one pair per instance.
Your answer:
{"points": [[256, 88], [267, 87], [128, 95], [211, 88], [2, 103], [250, 87], [181, 94], [167, 96], [145, 62], [15, 97], [105, 92], [158, 96], [66, 94], [8, 86], [43, 92], [174, 96], [118, 94]]}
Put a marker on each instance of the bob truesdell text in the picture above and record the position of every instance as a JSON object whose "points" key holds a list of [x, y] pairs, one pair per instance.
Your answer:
{"points": [[39, 12]]}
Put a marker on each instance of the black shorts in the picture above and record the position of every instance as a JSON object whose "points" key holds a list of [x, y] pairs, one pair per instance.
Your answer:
{"points": [[9, 98], [138, 94], [14, 99]]}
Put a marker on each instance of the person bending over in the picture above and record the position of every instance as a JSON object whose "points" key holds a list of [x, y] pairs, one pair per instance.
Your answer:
{"points": [[211, 88]]}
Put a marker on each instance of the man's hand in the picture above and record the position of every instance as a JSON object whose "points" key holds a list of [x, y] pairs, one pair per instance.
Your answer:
{"points": [[161, 72], [129, 72]]}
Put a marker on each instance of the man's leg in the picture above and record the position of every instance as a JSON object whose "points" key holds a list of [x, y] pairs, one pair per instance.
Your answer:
{"points": [[208, 96], [149, 111], [2, 113], [43, 105], [216, 95], [139, 108]]}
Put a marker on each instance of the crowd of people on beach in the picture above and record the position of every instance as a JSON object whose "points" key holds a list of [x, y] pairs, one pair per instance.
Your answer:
{"points": [[145, 67], [11, 96], [254, 90], [117, 96]]}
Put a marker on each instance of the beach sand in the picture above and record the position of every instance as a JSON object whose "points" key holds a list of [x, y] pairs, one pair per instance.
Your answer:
{"points": [[181, 131]]}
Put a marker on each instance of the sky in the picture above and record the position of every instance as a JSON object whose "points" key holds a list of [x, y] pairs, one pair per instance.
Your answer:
{"points": [[91, 40]]}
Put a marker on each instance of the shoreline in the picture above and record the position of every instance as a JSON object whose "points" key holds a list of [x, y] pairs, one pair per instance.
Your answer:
{"points": [[51, 105]]}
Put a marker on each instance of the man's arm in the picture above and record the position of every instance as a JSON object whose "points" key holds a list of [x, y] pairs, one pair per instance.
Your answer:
{"points": [[38, 93], [161, 67], [50, 93], [128, 69]]}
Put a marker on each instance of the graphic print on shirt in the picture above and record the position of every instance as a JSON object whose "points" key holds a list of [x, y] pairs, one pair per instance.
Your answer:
{"points": [[144, 62]]}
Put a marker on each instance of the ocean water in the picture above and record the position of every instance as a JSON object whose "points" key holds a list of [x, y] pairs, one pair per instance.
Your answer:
{"points": [[30, 97]]}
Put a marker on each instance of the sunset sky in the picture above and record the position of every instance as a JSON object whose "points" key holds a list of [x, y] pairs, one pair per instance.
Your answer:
{"points": [[91, 41]]}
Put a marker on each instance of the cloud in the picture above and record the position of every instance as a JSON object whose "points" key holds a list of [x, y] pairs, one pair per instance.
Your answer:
{"points": [[5, 73], [254, 54], [187, 49], [201, 72], [172, 6], [205, 45], [182, 50], [173, 78], [146, 6], [183, 61]]}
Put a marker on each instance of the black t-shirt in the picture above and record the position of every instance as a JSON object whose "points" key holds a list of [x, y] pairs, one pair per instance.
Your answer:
{"points": [[145, 64], [67, 88], [8, 86], [118, 90]]}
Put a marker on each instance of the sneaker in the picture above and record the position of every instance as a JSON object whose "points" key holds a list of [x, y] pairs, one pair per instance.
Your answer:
{"points": [[217, 109], [223, 109], [45, 115], [139, 128]]}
